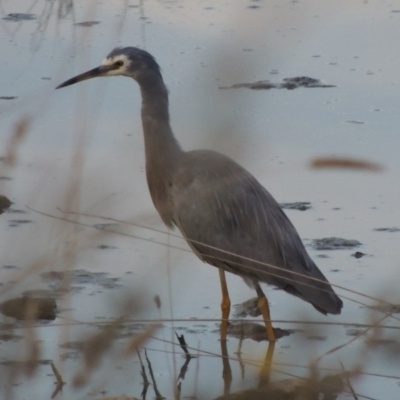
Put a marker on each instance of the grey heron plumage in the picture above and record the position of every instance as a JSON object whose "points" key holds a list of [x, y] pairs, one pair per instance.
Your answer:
{"points": [[228, 218]]}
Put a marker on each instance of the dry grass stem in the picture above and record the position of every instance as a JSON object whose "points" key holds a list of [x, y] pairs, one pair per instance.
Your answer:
{"points": [[345, 163]]}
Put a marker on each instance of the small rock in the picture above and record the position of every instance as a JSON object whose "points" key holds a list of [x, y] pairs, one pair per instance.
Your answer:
{"points": [[391, 230], [4, 203], [358, 254]]}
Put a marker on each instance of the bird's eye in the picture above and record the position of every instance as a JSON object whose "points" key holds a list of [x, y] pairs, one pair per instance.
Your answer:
{"points": [[119, 63]]}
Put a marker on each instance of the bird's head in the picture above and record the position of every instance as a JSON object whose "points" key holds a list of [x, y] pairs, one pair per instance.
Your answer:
{"points": [[126, 61]]}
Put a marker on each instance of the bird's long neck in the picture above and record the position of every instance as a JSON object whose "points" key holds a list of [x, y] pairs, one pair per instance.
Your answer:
{"points": [[163, 151]]}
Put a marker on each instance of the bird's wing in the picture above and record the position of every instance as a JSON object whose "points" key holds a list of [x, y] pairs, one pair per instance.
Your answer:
{"points": [[229, 219]]}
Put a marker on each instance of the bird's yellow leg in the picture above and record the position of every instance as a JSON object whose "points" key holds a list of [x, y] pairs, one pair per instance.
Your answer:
{"points": [[264, 308], [225, 304], [226, 368], [265, 372]]}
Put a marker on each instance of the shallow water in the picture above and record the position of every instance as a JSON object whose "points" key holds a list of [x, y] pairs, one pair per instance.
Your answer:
{"points": [[90, 134]]}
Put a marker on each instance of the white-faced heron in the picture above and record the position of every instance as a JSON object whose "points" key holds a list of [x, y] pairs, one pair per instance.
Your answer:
{"points": [[229, 219]]}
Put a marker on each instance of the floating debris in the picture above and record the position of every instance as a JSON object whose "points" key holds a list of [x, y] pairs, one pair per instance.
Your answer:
{"points": [[334, 243], [391, 230], [106, 226], [16, 211], [26, 307], [298, 205], [355, 122], [17, 222], [317, 337], [10, 267], [288, 83], [87, 24], [18, 17], [8, 97], [105, 246]]}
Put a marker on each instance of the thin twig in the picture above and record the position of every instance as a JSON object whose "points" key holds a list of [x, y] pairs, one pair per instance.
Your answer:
{"points": [[156, 391], [346, 377], [56, 374], [183, 345], [146, 382]]}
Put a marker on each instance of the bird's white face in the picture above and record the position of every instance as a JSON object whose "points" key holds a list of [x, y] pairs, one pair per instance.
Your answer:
{"points": [[127, 61], [120, 61]]}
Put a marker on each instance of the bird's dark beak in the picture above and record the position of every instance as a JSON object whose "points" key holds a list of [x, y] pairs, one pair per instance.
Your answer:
{"points": [[93, 73]]}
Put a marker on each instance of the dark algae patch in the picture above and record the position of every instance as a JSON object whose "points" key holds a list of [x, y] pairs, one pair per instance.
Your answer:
{"points": [[256, 332], [287, 83], [298, 205], [18, 17], [87, 24], [334, 243], [390, 230], [77, 279], [30, 308], [17, 222]]}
